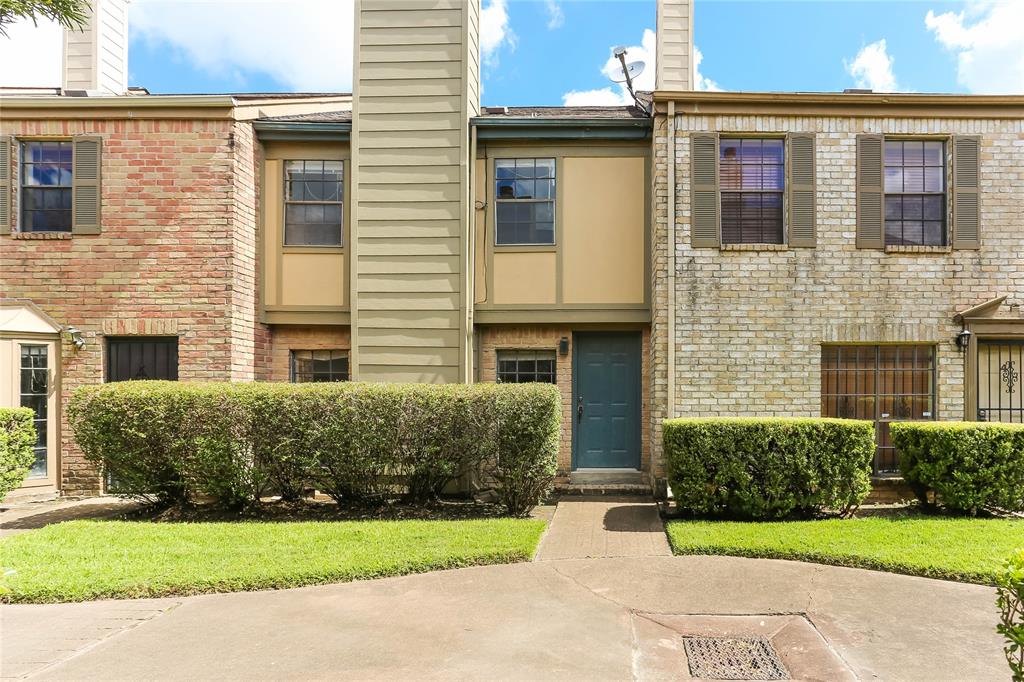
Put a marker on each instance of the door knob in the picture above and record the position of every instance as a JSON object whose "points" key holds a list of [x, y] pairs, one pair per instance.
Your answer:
{"points": [[579, 408]]}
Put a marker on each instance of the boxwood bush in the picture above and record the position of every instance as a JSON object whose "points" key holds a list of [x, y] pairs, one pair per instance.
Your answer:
{"points": [[174, 443], [17, 436], [1010, 601], [768, 468], [967, 466]]}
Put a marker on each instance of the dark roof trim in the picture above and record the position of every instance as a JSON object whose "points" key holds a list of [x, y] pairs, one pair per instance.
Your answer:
{"points": [[302, 131], [504, 128]]}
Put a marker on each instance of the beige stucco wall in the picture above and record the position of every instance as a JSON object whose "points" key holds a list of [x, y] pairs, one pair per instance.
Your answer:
{"points": [[298, 279], [600, 255], [750, 324]]}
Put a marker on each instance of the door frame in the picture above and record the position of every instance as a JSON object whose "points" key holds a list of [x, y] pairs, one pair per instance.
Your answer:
{"points": [[54, 407], [638, 335]]}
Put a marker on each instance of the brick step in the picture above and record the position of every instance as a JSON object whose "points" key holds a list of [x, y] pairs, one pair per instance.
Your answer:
{"points": [[605, 489]]}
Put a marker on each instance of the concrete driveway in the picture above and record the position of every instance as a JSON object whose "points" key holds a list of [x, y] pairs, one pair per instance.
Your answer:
{"points": [[593, 619]]}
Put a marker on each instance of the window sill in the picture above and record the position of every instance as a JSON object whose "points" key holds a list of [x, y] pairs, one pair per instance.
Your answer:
{"points": [[524, 248], [40, 235], [321, 248], [918, 249], [754, 247]]}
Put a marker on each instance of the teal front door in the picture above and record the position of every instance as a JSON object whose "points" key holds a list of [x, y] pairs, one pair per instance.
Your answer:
{"points": [[606, 395]]}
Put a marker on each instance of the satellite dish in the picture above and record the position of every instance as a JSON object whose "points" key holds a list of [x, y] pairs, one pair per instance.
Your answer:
{"points": [[629, 72]]}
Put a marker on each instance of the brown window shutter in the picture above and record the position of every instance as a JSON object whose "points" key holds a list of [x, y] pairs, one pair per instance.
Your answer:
{"points": [[870, 192], [704, 213], [800, 187], [966, 213], [85, 184], [6, 144]]}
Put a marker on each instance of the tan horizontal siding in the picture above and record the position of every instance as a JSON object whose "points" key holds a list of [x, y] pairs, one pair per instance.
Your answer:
{"points": [[407, 301], [420, 192], [399, 174], [414, 35], [417, 282], [383, 54], [402, 121], [411, 18], [413, 210], [431, 338], [424, 158], [409, 374], [410, 320], [410, 264], [409, 104], [410, 355], [409, 139], [404, 70]]}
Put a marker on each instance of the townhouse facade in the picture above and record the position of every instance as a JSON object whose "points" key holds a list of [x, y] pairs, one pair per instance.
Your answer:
{"points": [[697, 254]]}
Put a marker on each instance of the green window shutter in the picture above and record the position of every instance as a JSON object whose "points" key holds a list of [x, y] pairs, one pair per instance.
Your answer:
{"points": [[704, 213], [800, 187], [85, 184], [870, 192], [966, 213], [6, 144]]}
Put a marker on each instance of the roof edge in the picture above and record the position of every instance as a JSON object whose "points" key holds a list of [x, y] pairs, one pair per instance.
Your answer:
{"points": [[846, 98]]}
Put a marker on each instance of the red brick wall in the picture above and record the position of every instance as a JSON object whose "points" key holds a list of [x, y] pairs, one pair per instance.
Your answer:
{"points": [[177, 246]]}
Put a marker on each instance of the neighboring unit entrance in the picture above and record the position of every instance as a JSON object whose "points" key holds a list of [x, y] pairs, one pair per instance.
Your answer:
{"points": [[142, 358], [1000, 370], [606, 400]]}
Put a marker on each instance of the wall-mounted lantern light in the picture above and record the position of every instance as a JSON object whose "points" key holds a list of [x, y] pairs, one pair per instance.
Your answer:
{"points": [[963, 339], [563, 346], [75, 336]]}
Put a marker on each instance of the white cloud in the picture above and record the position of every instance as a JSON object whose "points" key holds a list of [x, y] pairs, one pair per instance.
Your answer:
{"points": [[304, 44], [988, 40], [555, 15], [495, 31], [618, 95], [700, 82], [43, 42], [872, 68]]}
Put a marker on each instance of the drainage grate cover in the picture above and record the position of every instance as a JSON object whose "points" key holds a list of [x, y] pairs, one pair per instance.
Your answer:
{"points": [[733, 658]]}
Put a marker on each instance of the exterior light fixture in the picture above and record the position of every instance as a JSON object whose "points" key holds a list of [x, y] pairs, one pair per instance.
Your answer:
{"points": [[563, 346], [75, 336], [963, 339]]}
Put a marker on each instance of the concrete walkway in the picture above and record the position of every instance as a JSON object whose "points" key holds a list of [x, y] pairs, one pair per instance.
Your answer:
{"points": [[592, 619], [18, 517], [586, 528]]}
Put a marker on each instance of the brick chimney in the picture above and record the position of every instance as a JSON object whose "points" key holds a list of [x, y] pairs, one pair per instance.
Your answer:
{"points": [[96, 58], [675, 45]]}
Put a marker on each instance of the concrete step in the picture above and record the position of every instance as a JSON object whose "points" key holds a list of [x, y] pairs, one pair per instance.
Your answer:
{"points": [[608, 477], [639, 490]]}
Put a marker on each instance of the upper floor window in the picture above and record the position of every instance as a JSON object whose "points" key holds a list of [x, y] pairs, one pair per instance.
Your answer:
{"points": [[752, 180], [915, 193], [313, 203], [524, 198], [319, 365], [526, 366], [46, 186]]}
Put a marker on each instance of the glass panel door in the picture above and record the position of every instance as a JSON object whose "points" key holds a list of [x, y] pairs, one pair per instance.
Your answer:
{"points": [[1000, 366]]}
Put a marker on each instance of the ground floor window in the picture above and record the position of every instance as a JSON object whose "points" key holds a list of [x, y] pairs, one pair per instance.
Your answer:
{"points": [[140, 358], [525, 366], [34, 394], [880, 383], [1000, 370], [319, 365]]}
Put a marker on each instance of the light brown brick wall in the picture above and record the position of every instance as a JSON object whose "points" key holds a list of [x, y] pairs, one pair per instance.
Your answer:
{"points": [[750, 324], [286, 338], [177, 245], [547, 337]]}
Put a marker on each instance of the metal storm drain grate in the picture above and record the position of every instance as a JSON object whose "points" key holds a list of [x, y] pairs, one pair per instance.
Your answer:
{"points": [[733, 658]]}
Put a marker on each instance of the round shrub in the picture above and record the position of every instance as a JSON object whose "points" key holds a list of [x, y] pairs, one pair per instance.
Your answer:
{"points": [[967, 465], [17, 436], [766, 468]]}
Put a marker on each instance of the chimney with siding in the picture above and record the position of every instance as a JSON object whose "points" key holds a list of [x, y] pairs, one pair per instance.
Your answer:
{"points": [[96, 57], [675, 45], [415, 88]]}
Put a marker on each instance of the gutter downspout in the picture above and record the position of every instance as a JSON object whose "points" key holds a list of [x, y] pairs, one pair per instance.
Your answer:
{"points": [[670, 410]]}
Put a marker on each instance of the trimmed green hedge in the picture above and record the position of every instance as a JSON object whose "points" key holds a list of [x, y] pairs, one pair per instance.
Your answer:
{"points": [[17, 436], [968, 465], [173, 442], [1010, 601], [768, 468]]}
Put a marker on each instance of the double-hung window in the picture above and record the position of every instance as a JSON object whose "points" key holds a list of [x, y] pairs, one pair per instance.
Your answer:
{"points": [[46, 186], [915, 193], [524, 199], [526, 366], [314, 194], [319, 365], [752, 179]]}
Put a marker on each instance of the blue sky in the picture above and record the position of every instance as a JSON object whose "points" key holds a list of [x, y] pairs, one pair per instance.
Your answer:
{"points": [[554, 51]]}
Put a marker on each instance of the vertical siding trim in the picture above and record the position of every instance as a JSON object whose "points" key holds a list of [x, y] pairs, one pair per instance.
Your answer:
{"points": [[705, 214], [353, 199], [966, 185], [870, 192]]}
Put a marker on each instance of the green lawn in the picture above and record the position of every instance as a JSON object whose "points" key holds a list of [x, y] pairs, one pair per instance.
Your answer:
{"points": [[968, 550], [81, 560]]}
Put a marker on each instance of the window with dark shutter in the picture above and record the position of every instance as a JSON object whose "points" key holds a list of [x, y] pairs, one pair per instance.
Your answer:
{"points": [[915, 192], [751, 176]]}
